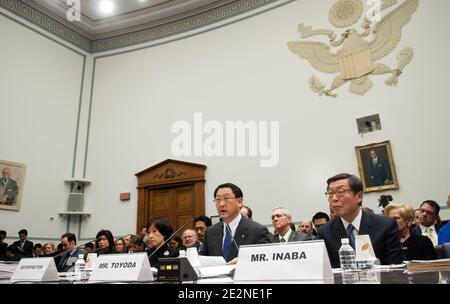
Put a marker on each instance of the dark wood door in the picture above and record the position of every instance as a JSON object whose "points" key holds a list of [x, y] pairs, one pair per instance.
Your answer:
{"points": [[172, 189], [175, 203]]}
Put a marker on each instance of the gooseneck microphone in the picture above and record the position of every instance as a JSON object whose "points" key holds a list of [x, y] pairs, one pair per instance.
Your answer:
{"points": [[170, 237]]}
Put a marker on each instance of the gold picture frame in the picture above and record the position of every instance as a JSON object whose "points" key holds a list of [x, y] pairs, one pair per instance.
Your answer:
{"points": [[376, 166], [11, 184]]}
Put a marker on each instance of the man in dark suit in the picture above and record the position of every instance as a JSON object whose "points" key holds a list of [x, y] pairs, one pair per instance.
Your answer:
{"points": [[8, 188], [345, 196], [428, 213], [3, 245], [24, 246], [281, 220], [379, 170], [234, 230], [66, 261]]}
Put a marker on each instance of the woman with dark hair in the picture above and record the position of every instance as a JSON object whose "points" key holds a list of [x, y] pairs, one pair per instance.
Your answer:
{"points": [[104, 242], [159, 230]]}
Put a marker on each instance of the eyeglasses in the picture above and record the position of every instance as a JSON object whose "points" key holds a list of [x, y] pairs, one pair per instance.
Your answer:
{"points": [[338, 193], [277, 216], [225, 199]]}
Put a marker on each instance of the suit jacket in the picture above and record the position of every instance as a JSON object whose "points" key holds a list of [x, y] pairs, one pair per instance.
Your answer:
{"points": [[247, 233], [66, 260], [294, 237], [379, 172], [10, 191], [383, 234], [164, 252], [27, 248]]}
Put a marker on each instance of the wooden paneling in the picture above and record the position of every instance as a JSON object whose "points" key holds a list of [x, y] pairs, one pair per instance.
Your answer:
{"points": [[171, 189]]}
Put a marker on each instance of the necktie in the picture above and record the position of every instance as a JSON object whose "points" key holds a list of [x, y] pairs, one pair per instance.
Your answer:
{"points": [[429, 233], [227, 243], [282, 240], [351, 236]]}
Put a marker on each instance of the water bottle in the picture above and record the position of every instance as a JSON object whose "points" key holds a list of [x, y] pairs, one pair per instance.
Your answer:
{"points": [[80, 267], [347, 256]]}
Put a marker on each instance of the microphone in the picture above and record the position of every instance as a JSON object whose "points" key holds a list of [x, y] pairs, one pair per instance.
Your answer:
{"points": [[170, 237], [231, 232]]}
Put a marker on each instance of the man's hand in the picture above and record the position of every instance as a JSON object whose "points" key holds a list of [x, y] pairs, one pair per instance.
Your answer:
{"points": [[232, 262]]}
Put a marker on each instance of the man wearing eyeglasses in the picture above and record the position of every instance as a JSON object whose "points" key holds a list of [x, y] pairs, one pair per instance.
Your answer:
{"points": [[428, 213], [345, 194], [281, 220], [233, 230]]}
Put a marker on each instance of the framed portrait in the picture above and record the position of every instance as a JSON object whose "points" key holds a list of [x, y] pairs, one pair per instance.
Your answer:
{"points": [[11, 184], [376, 166]]}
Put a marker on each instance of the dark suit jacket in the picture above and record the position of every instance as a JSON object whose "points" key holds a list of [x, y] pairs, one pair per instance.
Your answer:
{"points": [[27, 248], [11, 190], [383, 234], [294, 237], [164, 252], [418, 231], [65, 261], [247, 233]]}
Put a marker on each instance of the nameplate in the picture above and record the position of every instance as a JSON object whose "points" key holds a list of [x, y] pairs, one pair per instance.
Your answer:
{"points": [[297, 261], [130, 267], [35, 270]]}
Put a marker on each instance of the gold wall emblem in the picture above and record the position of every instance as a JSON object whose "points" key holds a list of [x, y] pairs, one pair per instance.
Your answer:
{"points": [[357, 57]]}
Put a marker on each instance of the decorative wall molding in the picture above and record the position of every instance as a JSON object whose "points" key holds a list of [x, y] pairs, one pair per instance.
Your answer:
{"points": [[30, 14], [153, 32]]}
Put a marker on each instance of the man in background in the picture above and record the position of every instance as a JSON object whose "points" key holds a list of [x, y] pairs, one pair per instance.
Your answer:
{"points": [[3, 245], [305, 228], [24, 246], [429, 211], [66, 260], [247, 212], [281, 220]]}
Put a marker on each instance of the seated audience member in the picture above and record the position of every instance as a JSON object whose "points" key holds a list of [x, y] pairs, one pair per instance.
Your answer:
{"points": [[159, 230], [104, 242], [416, 222], [24, 246], [89, 248], [201, 223], [127, 239], [49, 249], [218, 239], [345, 195], [65, 261], [136, 244], [12, 253], [319, 219], [176, 242], [3, 245], [444, 232], [282, 220], [190, 239], [38, 250], [59, 249], [247, 212], [119, 246], [415, 247], [429, 211], [305, 227]]}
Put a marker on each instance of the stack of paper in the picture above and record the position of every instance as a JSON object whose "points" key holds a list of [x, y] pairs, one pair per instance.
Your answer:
{"points": [[423, 265]]}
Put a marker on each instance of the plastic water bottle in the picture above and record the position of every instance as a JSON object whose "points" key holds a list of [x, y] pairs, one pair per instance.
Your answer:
{"points": [[347, 256], [80, 267]]}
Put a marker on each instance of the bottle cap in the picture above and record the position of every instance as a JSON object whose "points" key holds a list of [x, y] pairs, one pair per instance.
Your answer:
{"points": [[81, 256], [182, 253], [345, 241]]}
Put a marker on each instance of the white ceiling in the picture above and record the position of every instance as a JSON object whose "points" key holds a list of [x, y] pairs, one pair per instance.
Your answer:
{"points": [[128, 15]]}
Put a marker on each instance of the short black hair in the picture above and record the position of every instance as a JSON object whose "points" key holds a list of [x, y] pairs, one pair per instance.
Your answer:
{"points": [[37, 245], [3, 232], [353, 181], [432, 204], [163, 225], [249, 211], [236, 190], [23, 231], [70, 237], [204, 219], [320, 215], [89, 245]]}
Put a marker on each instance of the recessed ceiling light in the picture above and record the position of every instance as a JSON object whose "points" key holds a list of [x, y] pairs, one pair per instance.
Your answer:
{"points": [[106, 7]]}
